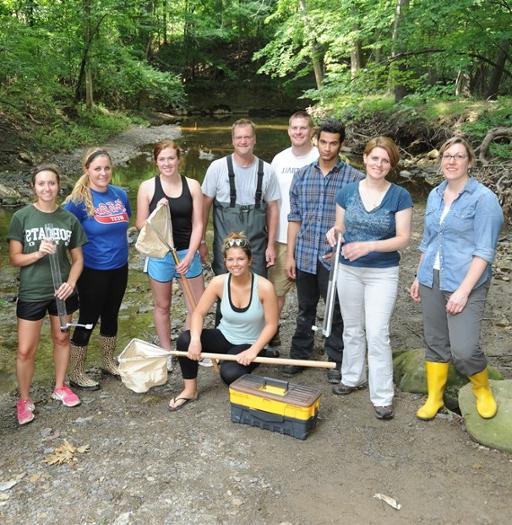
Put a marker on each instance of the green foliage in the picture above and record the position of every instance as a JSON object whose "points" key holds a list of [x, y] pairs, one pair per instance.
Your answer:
{"points": [[471, 117], [429, 49], [88, 128], [47, 47]]}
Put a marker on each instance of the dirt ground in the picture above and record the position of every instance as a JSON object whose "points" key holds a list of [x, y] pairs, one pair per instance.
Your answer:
{"points": [[145, 465], [141, 464]]}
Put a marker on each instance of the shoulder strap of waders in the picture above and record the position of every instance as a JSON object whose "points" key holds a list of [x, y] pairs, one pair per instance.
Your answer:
{"points": [[257, 197], [232, 189]]}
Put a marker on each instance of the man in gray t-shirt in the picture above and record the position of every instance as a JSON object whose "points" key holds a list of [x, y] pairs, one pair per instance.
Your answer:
{"points": [[245, 201]]}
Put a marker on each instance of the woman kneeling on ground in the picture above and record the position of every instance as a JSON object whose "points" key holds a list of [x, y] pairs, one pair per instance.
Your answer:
{"points": [[374, 215], [463, 219], [249, 320], [103, 211], [36, 232]]}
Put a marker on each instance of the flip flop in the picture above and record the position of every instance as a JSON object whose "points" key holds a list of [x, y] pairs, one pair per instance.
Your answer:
{"points": [[185, 400]]}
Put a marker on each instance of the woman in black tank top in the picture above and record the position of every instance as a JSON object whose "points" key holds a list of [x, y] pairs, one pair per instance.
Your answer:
{"points": [[184, 198]]}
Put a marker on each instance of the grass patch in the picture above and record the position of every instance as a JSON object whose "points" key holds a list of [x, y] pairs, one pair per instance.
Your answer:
{"points": [[87, 128]]}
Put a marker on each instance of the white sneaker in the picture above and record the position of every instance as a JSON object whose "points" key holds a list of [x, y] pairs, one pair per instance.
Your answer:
{"points": [[206, 362], [170, 365]]}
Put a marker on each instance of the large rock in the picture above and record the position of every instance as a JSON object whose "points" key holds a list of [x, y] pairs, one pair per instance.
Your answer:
{"points": [[9, 196], [495, 432], [409, 376]]}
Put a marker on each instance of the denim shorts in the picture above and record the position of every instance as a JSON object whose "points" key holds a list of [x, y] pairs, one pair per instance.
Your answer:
{"points": [[35, 311], [164, 270]]}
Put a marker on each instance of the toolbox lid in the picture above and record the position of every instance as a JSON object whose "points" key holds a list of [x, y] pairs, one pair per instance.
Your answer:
{"points": [[276, 389]]}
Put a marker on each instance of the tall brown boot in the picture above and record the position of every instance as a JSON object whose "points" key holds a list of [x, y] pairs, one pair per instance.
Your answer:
{"points": [[77, 376], [108, 347]]}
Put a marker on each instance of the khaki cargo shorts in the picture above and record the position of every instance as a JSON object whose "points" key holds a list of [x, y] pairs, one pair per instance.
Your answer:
{"points": [[277, 273]]}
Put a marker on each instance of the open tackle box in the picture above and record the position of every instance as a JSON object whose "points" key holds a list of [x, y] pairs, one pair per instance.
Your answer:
{"points": [[274, 405]]}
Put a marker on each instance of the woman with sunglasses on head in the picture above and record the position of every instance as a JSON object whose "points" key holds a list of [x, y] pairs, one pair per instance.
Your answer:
{"points": [[248, 305], [463, 219], [185, 201], [374, 216], [103, 211], [37, 232]]}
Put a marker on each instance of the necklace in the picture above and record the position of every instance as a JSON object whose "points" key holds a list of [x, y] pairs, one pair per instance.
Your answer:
{"points": [[372, 197]]}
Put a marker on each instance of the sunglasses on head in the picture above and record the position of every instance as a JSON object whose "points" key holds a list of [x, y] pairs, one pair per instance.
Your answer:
{"points": [[239, 243]]}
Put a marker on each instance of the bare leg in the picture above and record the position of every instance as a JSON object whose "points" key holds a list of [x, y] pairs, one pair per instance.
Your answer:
{"points": [[189, 392], [60, 350], [162, 298], [280, 303], [28, 340]]}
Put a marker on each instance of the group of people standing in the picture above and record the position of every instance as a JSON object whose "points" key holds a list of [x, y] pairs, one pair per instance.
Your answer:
{"points": [[278, 220]]}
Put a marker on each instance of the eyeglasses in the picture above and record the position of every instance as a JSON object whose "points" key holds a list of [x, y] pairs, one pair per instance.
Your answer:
{"points": [[239, 243], [458, 157]]}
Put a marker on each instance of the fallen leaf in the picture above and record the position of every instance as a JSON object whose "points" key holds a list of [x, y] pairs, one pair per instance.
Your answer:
{"points": [[65, 453]]}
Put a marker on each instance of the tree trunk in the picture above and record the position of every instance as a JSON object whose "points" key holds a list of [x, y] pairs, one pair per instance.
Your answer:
{"points": [[315, 50], [462, 84], [399, 90], [497, 73], [89, 98], [164, 21], [89, 33], [355, 59]]}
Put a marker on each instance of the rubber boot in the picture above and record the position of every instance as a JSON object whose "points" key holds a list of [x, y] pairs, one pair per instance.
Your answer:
{"points": [[77, 376], [437, 375], [108, 346], [485, 402]]}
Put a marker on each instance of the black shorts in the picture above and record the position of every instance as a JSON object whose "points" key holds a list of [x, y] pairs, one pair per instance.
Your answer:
{"points": [[35, 311]]}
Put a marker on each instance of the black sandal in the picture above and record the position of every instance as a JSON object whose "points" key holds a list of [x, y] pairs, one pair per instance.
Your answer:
{"points": [[186, 401]]}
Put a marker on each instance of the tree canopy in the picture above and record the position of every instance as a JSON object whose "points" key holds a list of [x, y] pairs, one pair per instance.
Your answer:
{"points": [[404, 46], [71, 54]]}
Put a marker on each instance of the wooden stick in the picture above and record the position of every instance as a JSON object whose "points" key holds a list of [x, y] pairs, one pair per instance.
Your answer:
{"points": [[265, 360], [183, 279]]}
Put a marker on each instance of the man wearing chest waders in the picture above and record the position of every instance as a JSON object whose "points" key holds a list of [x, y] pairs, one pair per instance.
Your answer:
{"points": [[244, 192]]}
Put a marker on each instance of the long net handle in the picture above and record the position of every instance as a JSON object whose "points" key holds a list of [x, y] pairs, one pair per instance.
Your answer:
{"points": [[264, 360], [56, 277]]}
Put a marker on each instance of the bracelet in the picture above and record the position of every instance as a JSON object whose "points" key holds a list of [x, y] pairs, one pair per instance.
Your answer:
{"points": [[202, 241]]}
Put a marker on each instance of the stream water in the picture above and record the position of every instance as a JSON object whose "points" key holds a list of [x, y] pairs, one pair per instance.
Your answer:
{"points": [[202, 140]]}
